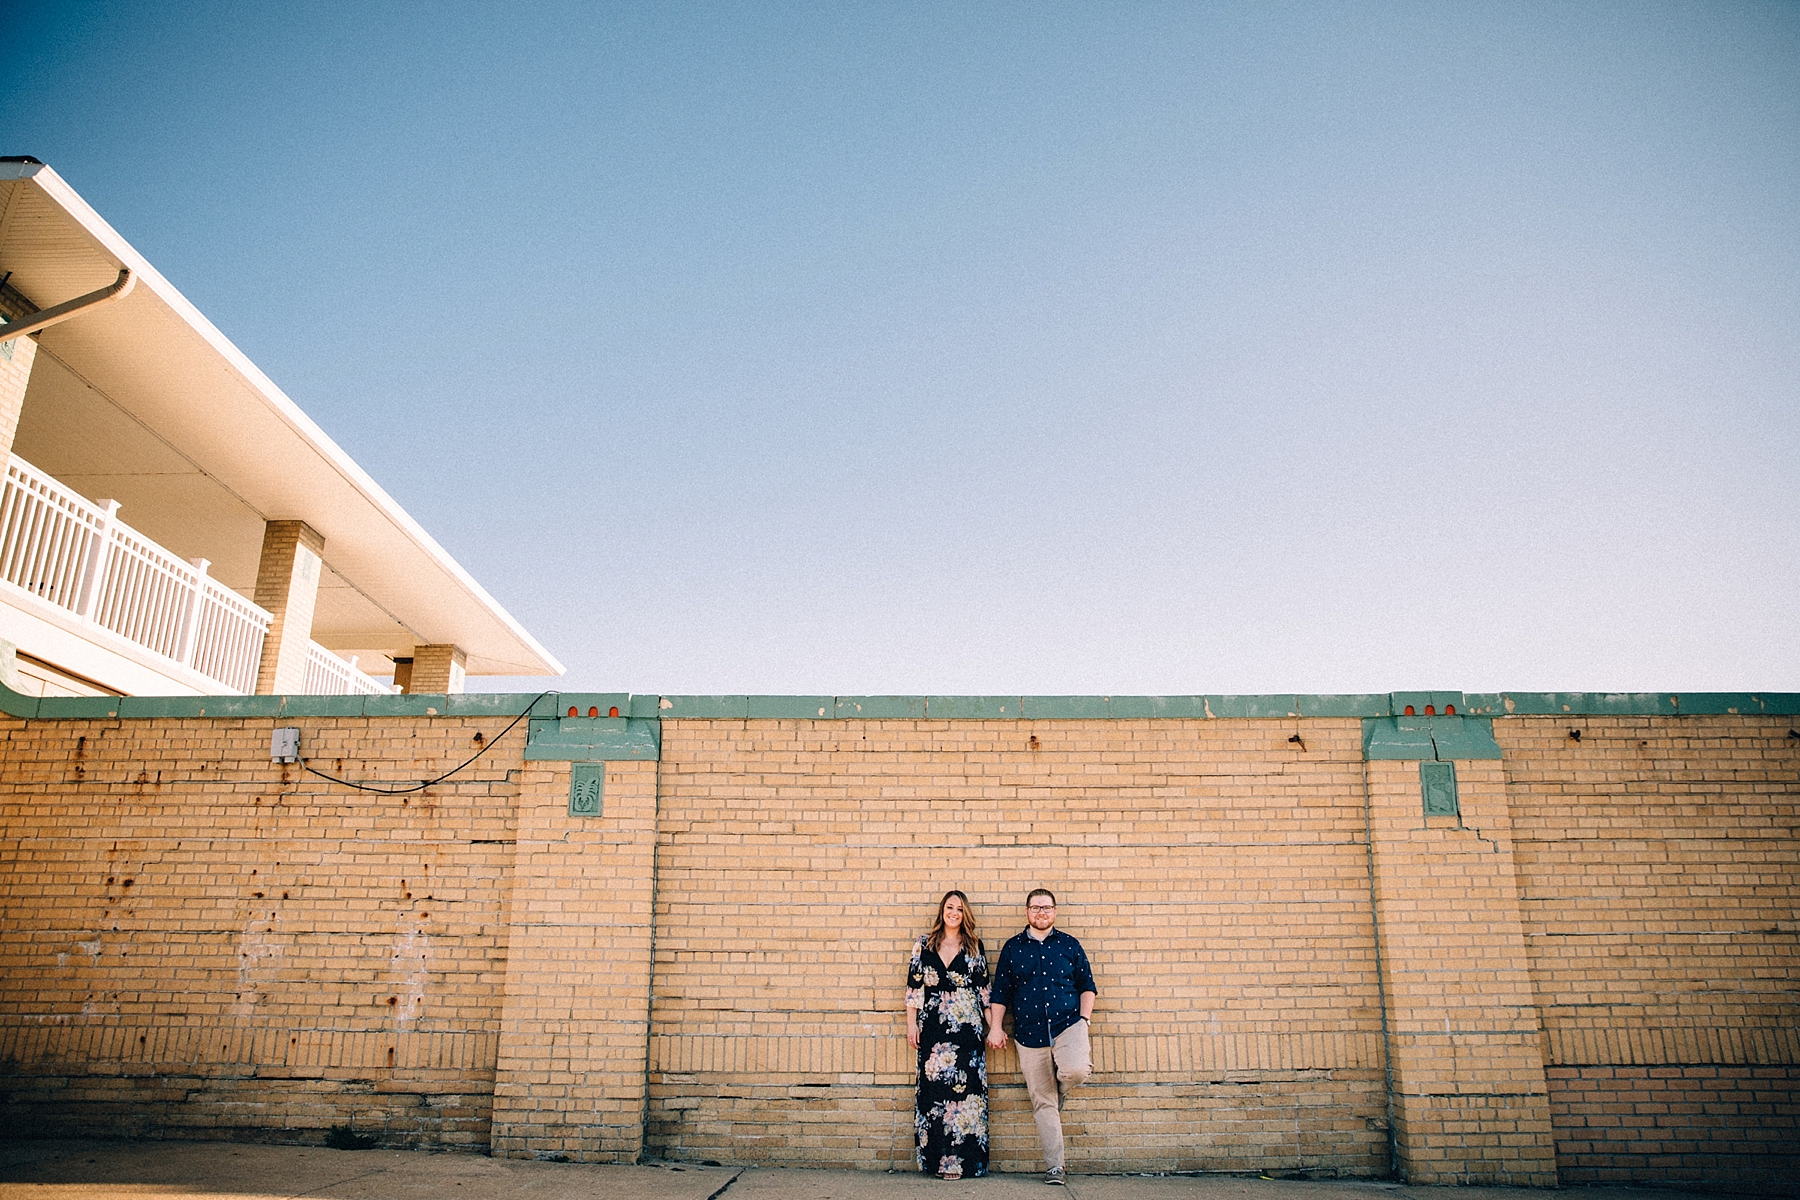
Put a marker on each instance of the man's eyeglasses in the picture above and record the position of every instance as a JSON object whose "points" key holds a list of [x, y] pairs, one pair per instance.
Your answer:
{"points": [[1040, 908]]}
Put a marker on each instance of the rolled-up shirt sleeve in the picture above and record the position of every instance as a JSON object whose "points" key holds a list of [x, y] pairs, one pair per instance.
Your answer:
{"points": [[1084, 974]]}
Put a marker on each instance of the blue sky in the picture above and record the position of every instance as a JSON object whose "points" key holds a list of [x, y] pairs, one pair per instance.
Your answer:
{"points": [[1040, 348]]}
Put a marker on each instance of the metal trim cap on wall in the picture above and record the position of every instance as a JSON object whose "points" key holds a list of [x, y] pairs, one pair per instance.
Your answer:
{"points": [[593, 739], [1440, 739]]}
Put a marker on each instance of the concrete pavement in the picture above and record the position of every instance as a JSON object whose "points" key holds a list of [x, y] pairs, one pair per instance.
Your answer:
{"points": [[101, 1170]]}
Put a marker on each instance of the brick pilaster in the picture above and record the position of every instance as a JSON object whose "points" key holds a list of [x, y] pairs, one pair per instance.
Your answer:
{"points": [[436, 671], [574, 1025], [287, 584], [1471, 1103]]}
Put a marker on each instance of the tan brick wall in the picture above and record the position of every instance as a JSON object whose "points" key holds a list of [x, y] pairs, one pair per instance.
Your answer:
{"points": [[436, 671], [1676, 1124], [1659, 873], [287, 584], [1471, 1102], [1214, 871], [1598, 955], [574, 1026], [199, 942]]}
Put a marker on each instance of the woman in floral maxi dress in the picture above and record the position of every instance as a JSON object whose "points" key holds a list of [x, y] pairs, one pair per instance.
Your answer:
{"points": [[946, 1004]]}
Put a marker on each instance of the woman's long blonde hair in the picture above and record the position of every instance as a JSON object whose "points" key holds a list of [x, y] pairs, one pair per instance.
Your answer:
{"points": [[971, 940]]}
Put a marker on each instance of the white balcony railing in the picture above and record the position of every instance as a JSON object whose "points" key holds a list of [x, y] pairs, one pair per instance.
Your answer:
{"points": [[60, 548], [329, 675]]}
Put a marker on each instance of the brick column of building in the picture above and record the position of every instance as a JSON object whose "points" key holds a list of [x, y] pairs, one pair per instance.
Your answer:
{"points": [[1470, 1098], [287, 584], [571, 1073], [436, 671], [16, 357]]}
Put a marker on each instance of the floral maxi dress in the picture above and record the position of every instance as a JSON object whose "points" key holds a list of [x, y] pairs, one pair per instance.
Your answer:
{"points": [[950, 1118]]}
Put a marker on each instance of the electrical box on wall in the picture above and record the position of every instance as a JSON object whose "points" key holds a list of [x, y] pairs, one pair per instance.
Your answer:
{"points": [[1437, 780], [284, 744]]}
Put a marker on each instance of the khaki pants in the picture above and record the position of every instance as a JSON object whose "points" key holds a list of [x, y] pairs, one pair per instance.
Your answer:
{"points": [[1050, 1072]]}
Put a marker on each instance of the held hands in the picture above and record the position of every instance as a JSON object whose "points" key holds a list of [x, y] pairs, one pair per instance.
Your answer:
{"points": [[996, 1037]]}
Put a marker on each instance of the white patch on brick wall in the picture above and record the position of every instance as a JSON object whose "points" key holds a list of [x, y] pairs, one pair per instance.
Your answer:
{"points": [[412, 956], [259, 952]]}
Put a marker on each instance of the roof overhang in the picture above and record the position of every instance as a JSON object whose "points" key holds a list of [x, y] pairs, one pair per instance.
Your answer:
{"points": [[144, 401]]}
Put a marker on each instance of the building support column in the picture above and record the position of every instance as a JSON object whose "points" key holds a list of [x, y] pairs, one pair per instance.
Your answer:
{"points": [[16, 357], [1470, 1097], [571, 1077], [434, 671], [287, 584]]}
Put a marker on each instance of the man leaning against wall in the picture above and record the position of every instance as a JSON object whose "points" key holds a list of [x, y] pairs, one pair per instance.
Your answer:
{"points": [[1044, 979]]}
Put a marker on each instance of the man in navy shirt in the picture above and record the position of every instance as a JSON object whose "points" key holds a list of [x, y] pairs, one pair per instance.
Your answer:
{"points": [[1043, 977]]}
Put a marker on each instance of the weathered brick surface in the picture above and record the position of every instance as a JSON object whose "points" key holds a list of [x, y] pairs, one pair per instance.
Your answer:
{"points": [[1322, 1122], [1706, 1123], [1589, 974], [199, 941], [1215, 872], [436, 670], [1659, 878], [573, 1025], [287, 584], [1470, 1097]]}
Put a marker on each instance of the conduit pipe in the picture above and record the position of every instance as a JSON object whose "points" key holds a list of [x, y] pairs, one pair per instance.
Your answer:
{"points": [[44, 318]]}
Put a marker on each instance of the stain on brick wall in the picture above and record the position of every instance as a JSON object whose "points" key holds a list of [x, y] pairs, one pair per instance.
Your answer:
{"points": [[200, 942]]}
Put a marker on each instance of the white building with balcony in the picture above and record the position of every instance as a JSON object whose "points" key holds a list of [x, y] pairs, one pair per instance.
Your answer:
{"points": [[171, 523]]}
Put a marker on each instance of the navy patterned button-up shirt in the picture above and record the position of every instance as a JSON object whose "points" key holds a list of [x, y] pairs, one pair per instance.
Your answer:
{"points": [[1041, 983]]}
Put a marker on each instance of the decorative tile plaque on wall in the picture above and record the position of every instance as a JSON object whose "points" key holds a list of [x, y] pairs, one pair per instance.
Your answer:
{"points": [[1437, 781], [587, 785]]}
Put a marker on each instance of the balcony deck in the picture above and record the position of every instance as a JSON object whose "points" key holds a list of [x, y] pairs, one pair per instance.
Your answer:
{"points": [[74, 561]]}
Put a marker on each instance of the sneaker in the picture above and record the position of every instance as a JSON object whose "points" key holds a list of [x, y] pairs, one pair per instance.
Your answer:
{"points": [[1054, 1177]]}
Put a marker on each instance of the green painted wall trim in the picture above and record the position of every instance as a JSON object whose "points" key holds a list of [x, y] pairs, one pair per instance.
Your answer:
{"points": [[1066, 708], [51, 708], [943, 708], [703, 706], [974, 708], [1010, 708], [1429, 739], [1543, 704], [652, 708], [599, 704], [870, 708], [790, 708], [1632, 704], [592, 739], [1438, 702]]}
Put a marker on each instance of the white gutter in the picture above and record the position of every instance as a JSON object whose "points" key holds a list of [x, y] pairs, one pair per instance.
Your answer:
{"points": [[45, 318]]}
